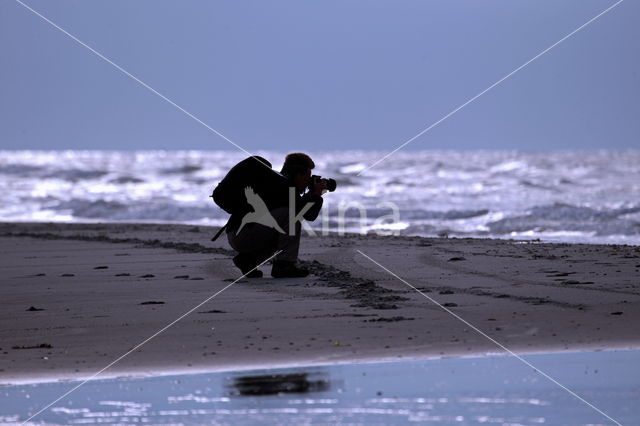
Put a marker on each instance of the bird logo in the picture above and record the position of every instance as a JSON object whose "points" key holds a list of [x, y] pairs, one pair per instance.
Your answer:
{"points": [[260, 213]]}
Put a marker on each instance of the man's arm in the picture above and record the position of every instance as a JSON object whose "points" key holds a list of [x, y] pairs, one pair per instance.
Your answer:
{"points": [[314, 196], [313, 212]]}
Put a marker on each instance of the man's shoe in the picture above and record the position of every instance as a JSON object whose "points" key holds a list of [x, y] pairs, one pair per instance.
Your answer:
{"points": [[286, 269], [246, 262]]}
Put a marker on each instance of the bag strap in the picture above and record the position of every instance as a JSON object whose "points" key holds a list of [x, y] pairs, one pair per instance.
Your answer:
{"points": [[215, 237]]}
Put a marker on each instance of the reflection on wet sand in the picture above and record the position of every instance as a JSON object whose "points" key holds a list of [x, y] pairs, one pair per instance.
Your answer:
{"points": [[274, 384]]}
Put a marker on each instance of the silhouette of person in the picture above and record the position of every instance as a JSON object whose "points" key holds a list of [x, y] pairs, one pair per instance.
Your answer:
{"points": [[260, 233]]}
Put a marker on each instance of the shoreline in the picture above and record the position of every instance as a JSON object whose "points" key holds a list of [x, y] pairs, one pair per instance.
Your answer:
{"points": [[339, 234], [168, 372], [531, 297]]}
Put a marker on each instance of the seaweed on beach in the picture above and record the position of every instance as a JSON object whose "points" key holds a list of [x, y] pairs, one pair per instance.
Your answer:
{"points": [[367, 293]]}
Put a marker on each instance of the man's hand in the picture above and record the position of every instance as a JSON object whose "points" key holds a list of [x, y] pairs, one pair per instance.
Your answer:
{"points": [[319, 187]]}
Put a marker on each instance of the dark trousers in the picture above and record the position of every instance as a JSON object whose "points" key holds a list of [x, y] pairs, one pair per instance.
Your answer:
{"points": [[262, 241]]}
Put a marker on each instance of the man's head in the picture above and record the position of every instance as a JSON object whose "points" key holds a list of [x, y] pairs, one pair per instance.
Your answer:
{"points": [[298, 167]]}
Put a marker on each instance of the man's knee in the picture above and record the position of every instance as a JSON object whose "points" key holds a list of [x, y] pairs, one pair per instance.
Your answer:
{"points": [[282, 216], [253, 238]]}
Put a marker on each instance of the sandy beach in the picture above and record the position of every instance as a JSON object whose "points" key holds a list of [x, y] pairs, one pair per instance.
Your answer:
{"points": [[77, 297]]}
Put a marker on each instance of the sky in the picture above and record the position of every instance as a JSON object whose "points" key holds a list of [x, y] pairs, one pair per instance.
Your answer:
{"points": [[324, 75]]}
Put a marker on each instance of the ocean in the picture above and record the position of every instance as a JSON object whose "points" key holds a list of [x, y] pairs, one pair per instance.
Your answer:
{"points": [[559, 196]]}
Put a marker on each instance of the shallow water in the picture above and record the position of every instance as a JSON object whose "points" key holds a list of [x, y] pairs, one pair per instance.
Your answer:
{"points": [[484, 390], [572, 196]]}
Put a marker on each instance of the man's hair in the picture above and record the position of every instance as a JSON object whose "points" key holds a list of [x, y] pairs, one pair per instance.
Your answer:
{"points": [[297, 162]]}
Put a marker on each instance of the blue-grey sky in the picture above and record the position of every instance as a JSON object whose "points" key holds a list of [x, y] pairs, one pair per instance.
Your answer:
{"points": [[332, 74]]}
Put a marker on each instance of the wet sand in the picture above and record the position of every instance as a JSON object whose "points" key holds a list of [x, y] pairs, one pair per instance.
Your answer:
{"points": [[77, 297]]}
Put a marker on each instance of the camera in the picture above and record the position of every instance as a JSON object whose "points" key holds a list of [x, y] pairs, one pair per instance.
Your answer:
{"points": [[331, 183]]}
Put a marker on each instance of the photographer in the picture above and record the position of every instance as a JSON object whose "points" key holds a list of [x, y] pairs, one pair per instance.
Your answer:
{"points": [[256, 234]]}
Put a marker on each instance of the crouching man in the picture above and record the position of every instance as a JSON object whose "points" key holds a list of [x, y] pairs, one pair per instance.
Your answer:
{"points": [[271, 218]]}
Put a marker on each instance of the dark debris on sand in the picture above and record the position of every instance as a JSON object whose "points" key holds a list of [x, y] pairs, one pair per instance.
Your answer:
{"points": [[40, 346], [367, 293], [390, 319]]}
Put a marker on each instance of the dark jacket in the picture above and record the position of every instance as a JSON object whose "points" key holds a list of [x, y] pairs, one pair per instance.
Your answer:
{"points": [[275, 194]]}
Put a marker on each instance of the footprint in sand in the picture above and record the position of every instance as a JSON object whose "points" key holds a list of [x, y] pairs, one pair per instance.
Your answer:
{"points": [[561, 274], [573, 282]]}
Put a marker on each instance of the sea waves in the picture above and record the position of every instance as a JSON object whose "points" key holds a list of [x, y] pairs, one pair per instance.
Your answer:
{"points": [[569, 196]]}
